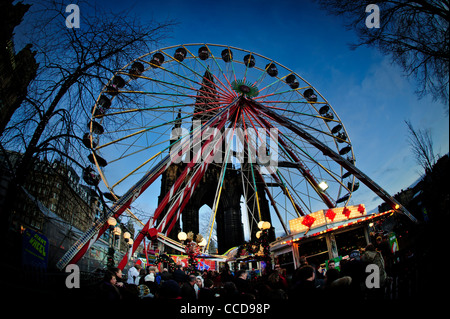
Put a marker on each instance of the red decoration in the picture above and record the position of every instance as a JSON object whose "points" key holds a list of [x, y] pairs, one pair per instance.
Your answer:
{"points": [[153, 233], [308, 221], [346, 212], [361, 209], [330, 214]]}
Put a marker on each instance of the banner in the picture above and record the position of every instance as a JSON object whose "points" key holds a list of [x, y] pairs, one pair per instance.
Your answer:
{"points": [[203, 264], [34, 249]]}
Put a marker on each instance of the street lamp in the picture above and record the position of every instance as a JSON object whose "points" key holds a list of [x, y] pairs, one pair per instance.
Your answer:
{"points": [[112, 222], [117, 232], [182, 236], [202, 243], [263, 225]]}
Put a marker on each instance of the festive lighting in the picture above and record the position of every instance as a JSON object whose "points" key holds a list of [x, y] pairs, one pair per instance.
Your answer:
{"points": [[112, 221], [326, 217], [323, 186], [354, 221], [117, 231], [182, 236], [202, 243]]}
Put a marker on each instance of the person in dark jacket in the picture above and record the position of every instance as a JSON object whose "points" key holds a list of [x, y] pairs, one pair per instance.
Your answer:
{"points": [[188, 290], [241, 282], [354, 268], [304, 287], [108, 289]]}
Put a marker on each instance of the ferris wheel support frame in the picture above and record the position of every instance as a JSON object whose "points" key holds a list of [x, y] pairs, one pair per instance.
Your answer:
{"points": [[184, 197], [82, 245], [305, 173], [337, 158]]}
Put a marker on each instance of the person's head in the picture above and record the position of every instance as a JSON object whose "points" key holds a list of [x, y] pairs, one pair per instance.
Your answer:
{"points": [[199, 281], [138, 266], [370, 247], [209, 283], [117, 272], [241, 274], [303, 260], [306, 273], [152, 269], [192, 280], [110, 277], [150, 277], [331, 264], [169, 290], [331, 275], [355, 255]]}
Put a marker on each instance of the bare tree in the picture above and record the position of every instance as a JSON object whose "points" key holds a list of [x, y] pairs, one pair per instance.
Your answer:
{"points": [[414, 33], [74, 65], [421, 144]]}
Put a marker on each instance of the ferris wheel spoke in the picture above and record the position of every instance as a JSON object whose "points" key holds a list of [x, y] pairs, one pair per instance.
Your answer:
{"points": [[250, 162], [273, 203], [278, 81], [183, 198], [309, 156], [219, 67], [279, 181], [220, 186], [186, 80], [222, 85], [307, 174]]}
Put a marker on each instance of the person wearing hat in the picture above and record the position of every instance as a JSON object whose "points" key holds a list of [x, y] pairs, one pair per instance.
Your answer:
{"points": [[198, 285], [150, 282], [144, 292]]}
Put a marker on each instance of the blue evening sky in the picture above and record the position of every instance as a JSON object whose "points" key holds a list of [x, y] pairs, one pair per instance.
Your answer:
{"points": [[371, 96]]}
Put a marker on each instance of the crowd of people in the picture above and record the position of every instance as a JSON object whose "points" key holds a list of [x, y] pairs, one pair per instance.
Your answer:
{"points": [[307, 282]]}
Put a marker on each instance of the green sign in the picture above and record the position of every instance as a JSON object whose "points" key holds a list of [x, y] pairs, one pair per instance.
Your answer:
{"points": [[393, 243]]}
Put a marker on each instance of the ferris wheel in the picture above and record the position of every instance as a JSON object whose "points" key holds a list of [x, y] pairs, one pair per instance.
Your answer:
{"points": [[217, 106]]}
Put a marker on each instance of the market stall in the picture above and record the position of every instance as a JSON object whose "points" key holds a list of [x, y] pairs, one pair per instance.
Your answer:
{"points": [[323, 235]]}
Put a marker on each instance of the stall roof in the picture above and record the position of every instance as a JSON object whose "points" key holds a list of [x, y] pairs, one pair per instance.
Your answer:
{"points": [[289, 239]]}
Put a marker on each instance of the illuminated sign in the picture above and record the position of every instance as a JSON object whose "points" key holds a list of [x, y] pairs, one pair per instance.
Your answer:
{"points": [[326, 217]]}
